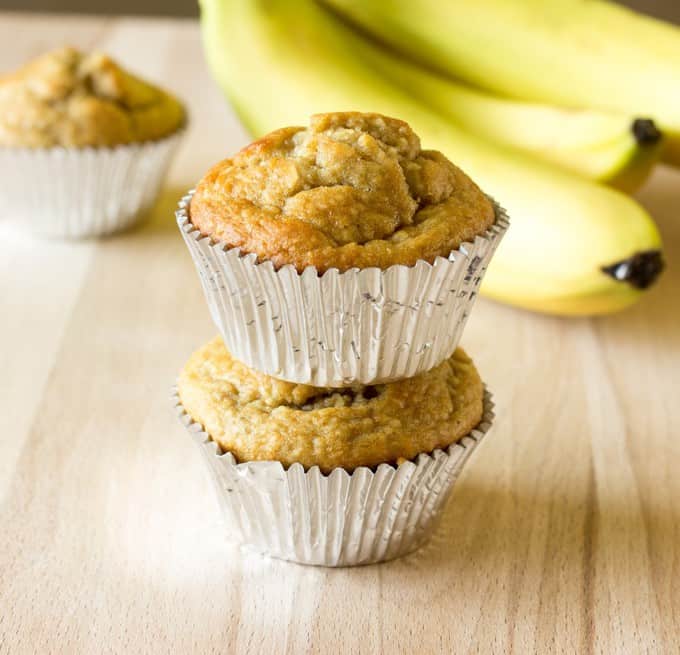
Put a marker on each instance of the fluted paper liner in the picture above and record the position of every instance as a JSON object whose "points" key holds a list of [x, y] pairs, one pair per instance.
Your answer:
{"points": [[82, 192], [340, 519], [335, 329]]}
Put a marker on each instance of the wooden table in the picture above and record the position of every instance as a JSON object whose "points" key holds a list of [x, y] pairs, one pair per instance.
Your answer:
{"points": [[562, 536]]}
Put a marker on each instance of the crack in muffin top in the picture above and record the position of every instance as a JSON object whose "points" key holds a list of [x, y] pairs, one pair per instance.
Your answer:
{"points": [[257, 417], [351, 190], [67, 98]]}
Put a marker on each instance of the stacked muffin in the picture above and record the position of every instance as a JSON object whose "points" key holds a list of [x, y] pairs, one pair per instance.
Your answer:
{"points": [[84, 145], [340, 263]]}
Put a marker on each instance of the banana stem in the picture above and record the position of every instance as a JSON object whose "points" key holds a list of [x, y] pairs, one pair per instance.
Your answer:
{"points": [[640, 270], [645, 131]]}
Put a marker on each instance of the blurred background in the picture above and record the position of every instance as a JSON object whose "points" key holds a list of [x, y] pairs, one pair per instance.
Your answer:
{"points": [[668, 9]]}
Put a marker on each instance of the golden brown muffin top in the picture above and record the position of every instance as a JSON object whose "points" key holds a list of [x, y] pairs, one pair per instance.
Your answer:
{"points": [[257, 417], [350, 190], [67, 98]]}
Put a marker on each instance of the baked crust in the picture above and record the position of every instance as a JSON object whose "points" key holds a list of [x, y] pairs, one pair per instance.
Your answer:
{"points": [[257, 417], [351, 190], [66, 98]]}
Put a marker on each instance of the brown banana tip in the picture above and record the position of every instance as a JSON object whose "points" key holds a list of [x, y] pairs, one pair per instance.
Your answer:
{"points": [[645, 131], [640, 270]]}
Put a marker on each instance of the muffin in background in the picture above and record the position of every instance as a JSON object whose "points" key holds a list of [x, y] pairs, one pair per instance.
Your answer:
{"points": [[84, 145], [332, 476], [341, 252], [74, 100]]}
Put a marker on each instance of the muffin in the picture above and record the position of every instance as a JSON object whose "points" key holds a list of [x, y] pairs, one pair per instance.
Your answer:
{"points": [[341, 252], [84, 145], [351, 190], [332, 476]]}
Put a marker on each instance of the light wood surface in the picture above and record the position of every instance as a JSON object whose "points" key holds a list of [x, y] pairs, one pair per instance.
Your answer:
{"points": [[562, 536]]}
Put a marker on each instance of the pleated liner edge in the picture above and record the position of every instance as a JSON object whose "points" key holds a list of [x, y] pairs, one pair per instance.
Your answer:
{"points": [[336, 329], [339, 519]]}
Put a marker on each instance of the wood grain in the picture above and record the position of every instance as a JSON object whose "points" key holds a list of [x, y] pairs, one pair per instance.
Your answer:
{"points": [[563, 535]]}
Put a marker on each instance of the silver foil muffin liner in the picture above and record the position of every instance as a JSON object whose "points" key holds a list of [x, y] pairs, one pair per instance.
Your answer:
{"points": [[340, 519], [82, 192], [336, 329]]}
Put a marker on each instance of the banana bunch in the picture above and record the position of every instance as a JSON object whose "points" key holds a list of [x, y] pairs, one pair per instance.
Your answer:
{"points": [[572, 53], [576, 246]]}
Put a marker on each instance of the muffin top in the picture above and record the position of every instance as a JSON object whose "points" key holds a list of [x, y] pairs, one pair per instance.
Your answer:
{"points": [[351, 190], [257, 417], [67, 98]]}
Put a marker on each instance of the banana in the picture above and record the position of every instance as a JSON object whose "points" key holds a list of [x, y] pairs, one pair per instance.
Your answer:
{"points": [[573, 53], [606, 147], [574, 247]]}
